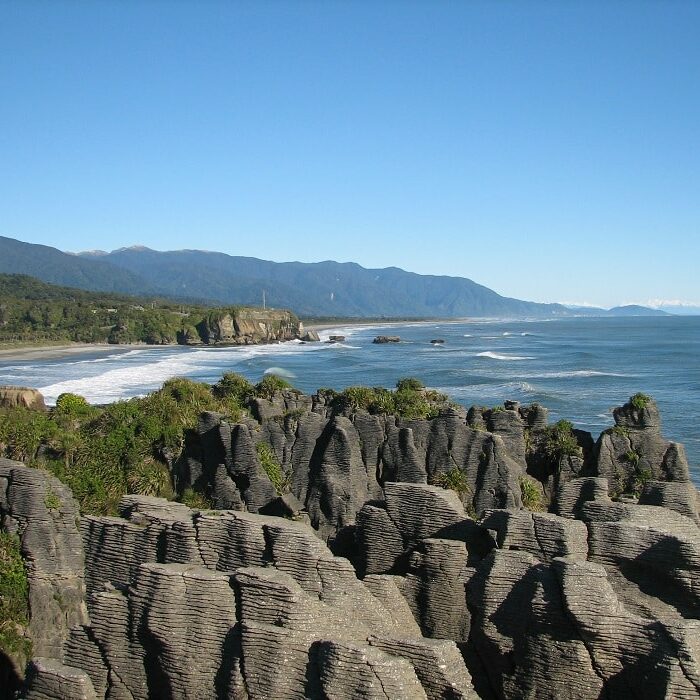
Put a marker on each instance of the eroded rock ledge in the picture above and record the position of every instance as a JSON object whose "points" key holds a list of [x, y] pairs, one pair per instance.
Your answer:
{"points": [[440, 596]]}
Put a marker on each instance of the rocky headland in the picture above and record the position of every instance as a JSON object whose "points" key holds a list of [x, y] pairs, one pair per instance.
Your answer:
{"points": [[350, 553]]}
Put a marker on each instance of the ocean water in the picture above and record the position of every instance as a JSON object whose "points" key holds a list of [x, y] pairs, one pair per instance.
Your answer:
{"points": [[580, 368]]}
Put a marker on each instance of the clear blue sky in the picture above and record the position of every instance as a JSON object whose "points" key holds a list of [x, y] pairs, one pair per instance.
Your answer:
{"points": [[549, 150]]}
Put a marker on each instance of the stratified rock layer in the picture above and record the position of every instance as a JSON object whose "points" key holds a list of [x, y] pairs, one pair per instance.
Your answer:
{"points": [[599, 598]]}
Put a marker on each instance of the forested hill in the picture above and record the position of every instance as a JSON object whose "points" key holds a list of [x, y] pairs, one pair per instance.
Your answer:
{"points": [[328, 289], [310, 289], [34, 311]]}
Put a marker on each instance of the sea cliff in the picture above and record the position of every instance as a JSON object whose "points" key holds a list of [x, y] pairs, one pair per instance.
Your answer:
{"points": [[344, 550]]}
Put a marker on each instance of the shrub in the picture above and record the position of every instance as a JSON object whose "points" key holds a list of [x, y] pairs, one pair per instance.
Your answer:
{"points": [[52, 500], [640, 401], [270, 385], [72, 405], [560, 441], [235, 386], [149, 478], [409, 383], [641, 478], [195, 500], [23, 431], [633, 457], [271, 467], [14, 599], [456, 480], [531, 496]]}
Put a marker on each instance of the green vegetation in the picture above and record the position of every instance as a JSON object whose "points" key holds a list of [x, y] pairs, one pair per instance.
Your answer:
{"points": [[640, 401], [456, 480], [273, 469], [633, 457], [410, 400], [620, 430], [52, 500], [195, 500], [14, 599], [641, 477], [269, 386], [125, 447], [560, 441], [409, 384], [531, 496], [35, 312]]}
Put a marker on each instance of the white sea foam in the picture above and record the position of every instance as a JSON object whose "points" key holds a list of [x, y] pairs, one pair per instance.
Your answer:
{"points": [[147, 372], [496, 391], [576, 373], [502, 356], [280, 372]]}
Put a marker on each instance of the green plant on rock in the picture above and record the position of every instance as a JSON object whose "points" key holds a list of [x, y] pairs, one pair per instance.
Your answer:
{"points": [[531, 496], [23, 431], [235, 386], [195, 500], [633, 457], [271, 467], [560, 441], [149, 478], [641, 478], [14, 600], [640, 401], [456, 480], [52, 500], [409, 383], [270, 385]]}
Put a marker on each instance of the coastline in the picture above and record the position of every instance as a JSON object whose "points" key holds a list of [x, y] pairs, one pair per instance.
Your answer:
{"points": [[52, 352]]}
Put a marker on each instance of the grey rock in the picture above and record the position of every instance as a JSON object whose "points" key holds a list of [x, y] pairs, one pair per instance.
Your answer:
{"points": [[48, 679], [43, 513]]}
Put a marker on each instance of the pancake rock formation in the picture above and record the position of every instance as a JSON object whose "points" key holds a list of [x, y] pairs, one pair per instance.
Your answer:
{"points": [[378, 582]]}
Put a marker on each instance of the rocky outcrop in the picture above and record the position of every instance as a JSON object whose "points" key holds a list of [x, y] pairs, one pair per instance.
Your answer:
{"points": [[249, 326], [384, 339], [237, 605], [42, 512], [12, 396], [598, 598], [634, 451]]}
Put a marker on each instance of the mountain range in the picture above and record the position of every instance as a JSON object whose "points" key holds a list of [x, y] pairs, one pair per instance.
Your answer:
{"points": [[323, 289]]}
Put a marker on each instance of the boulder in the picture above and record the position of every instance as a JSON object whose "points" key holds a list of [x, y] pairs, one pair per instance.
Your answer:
{"points": [[383, 339], [13, 396]]}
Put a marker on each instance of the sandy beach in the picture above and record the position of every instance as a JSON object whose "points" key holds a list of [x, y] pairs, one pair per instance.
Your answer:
{"points": [[49, 352]]}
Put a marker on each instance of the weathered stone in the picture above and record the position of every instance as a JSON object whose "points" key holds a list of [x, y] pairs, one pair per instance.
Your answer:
{"points": [[43, 513], [13, 396]]}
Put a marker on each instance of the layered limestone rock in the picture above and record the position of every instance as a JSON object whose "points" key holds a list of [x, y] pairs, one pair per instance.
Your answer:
{"points": [[335, 462], [189, 604], [597, 599], [634, 451], [42, 512], [250, 326]]}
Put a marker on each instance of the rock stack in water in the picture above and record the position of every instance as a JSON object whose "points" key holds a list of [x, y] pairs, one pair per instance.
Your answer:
{"points": [[594, 592]]}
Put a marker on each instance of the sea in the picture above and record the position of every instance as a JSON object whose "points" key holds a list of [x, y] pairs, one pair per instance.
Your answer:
{"points": [[579, 368]]}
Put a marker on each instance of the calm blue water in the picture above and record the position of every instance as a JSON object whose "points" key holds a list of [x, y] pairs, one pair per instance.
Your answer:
{"points": [[578, 368]]}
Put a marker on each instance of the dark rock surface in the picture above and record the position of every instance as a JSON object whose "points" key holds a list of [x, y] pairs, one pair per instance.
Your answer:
{"points": [[384, 339], [598, 598]]}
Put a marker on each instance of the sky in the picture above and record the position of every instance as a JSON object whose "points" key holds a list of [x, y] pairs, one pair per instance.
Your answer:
{"points": [[549, 150]]}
